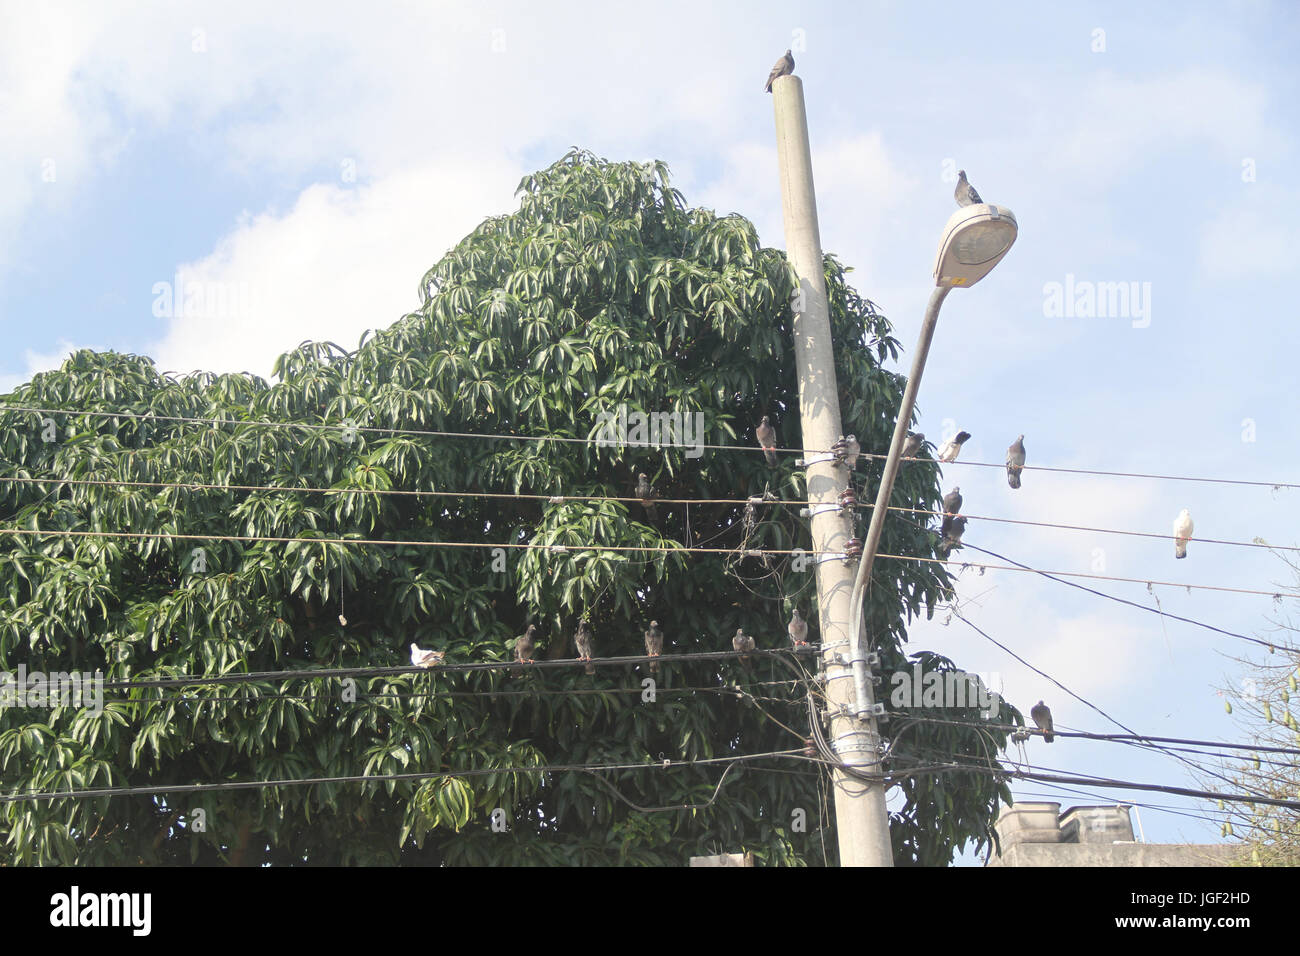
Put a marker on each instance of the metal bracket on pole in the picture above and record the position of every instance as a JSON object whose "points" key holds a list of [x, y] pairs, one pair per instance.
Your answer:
{"points": [[809, 462], [812, 512]]}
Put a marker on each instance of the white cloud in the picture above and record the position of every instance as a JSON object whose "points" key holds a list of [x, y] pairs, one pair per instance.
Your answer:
{"points": [[37, 362]]}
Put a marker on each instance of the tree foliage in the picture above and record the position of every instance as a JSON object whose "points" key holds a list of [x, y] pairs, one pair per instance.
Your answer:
{"points": [[603, 290]]}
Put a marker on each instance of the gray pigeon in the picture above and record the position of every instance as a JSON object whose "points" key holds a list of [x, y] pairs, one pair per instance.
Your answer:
{"points": [[1015, 462], [582, 640], [743, 643], [1043, 718], [913, 444], [798, 629], [766, 436], [951, 538], [952, 447], [951, 508], [654, 644], [524, 648], [646, 493], [784, 67], [965, 192], [847, 450]]}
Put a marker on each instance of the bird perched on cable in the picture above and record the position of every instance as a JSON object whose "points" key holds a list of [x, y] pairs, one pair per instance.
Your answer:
{"points": [[951, 537], [422, 658], [1015, 461], [913, 444], [654, 643], [582, 641], [951, 508], [646, 493], [743, 643], [784, 67], [847, 450], [798, 629], [952, 447], [965, 192], [524, 645], [1182, 533], [1043, 718], [766, 436]]}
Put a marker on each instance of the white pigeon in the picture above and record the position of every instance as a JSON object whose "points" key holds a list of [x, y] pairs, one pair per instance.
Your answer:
{"points": [[423, 658], [952, 447], [1182, 533]]}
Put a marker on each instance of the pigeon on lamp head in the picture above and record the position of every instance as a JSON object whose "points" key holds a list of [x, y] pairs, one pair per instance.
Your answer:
{"points": [[847, 450], [422, 658], [1182, 533], [743, 643], [951, 537], [1015, 461], [646, 493], [965, 192], [582, 640], [952, 447], [1043, 718], [913, 444], [766, 436], [654, 643], [784, 67], [798, 629]]}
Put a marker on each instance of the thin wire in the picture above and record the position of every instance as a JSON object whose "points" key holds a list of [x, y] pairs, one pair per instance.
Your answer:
{"points": [[429, 433]]}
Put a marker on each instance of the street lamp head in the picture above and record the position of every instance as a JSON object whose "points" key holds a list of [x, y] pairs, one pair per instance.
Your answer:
{"points": [[974, 241]]}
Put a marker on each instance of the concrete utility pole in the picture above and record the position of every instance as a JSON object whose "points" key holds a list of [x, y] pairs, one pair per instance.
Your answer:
{"points": [[861, 818]]}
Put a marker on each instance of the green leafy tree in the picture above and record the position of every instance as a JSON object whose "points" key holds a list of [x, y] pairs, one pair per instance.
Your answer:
{"points": [[603, 290]]}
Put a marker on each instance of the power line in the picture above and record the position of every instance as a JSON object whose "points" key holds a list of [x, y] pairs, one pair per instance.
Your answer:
{"points": [[431, 433]]}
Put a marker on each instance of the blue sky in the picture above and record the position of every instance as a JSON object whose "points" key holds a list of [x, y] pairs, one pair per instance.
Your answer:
{"points": [[314, 168]]}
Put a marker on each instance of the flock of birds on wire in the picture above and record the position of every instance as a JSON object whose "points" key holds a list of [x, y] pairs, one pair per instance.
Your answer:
{"points": [[846, 450]]}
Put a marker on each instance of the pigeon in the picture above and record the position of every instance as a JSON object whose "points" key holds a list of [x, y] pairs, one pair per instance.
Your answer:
{"points": [[582, 640], [1182, 533], [847, 450], [646, 493], [524, 648], [965, 193], [1043, 718], [766, 436], [423, 658], [798, 629], [913, 444], [1015, 461], [951, 537], [952, 447], [654, 644], [951, 508], [742, 642], [784, 67]]}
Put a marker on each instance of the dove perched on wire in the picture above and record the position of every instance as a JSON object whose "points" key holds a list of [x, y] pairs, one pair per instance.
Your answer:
{"points": [[1182, 533], [952, 447], [784, 67], [646, 493], [965, 192], [913, 444], [798, 629], [847, 450], [1015, 461], [422, 658], [951, 508], [951, 537], [766, 436], [654, 644], [524, 645], [1043, 718], [743, 643], [582, 641]]}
